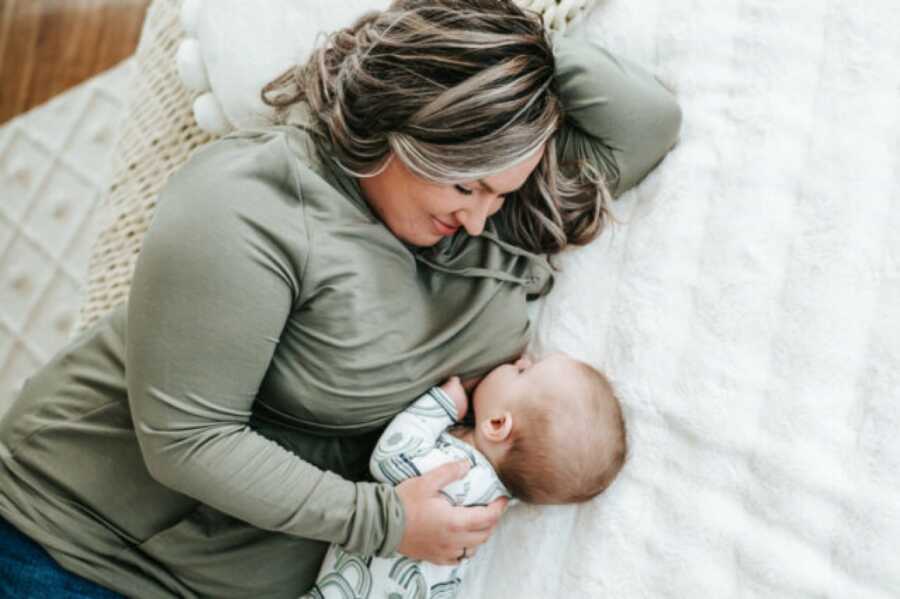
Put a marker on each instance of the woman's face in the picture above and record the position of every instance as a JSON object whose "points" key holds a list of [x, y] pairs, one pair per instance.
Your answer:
{"points": [[420, 213]]}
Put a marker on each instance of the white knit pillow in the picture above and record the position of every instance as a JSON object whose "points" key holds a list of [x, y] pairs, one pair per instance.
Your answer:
{"points": [[233, 48]]}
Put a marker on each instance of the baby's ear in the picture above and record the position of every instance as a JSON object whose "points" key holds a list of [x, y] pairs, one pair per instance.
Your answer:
{"points": [[498, 428]]}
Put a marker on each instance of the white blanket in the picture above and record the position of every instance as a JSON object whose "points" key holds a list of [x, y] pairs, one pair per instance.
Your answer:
{"points": [[748, 309]]}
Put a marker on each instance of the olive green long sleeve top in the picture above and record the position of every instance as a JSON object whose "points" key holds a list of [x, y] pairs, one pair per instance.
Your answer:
{"points": [[211, 437]]}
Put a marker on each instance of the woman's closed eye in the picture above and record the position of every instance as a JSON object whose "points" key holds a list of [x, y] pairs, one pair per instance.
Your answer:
{"points": [[467, 192]]}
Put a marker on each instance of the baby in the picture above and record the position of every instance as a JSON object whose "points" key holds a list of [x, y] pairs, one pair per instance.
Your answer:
{"points": [[545, 432]]}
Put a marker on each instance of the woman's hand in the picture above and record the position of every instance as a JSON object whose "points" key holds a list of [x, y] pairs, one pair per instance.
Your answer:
{"points": [[454, 388], [436, 531]]}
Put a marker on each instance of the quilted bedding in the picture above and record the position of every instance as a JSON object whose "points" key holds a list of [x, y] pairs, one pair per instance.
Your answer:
{"points": [[748, 309]]}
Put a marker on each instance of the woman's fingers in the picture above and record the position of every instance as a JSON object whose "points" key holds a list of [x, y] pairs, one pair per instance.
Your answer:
{"points": [[437, 531], [471, 540], [473, 526], [458, 557], [453, 558], [482, 518], [432, 523], [442, 476]]}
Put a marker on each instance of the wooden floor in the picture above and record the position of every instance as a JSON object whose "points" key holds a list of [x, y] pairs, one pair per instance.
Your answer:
{"points": [[47, 46]]}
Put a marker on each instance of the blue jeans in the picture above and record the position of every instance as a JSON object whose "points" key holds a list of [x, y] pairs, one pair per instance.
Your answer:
{"points": [[28, 572]]}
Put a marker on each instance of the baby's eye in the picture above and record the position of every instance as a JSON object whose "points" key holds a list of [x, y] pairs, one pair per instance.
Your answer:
{"points": [[463, 190]]}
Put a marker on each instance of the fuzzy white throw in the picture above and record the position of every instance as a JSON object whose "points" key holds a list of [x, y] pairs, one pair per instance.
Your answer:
{"points": [[748, 310]]}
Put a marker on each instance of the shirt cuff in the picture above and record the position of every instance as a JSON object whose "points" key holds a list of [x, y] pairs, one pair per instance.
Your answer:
{"points": [[379, 522], [445, 402]]}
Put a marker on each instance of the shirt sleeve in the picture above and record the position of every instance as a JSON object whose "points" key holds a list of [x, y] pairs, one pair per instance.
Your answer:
{"points": [[618, 115], [405, 447], [217, 278]]}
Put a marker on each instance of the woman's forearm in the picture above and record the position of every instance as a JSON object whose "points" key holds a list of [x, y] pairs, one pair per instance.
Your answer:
{"points": [[618, 115]]}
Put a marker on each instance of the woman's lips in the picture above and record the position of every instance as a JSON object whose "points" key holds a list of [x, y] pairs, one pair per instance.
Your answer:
{"points": [[443, 228]]}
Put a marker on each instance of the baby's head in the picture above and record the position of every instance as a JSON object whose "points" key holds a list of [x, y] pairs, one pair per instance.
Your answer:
{"points": [[553, 429]]}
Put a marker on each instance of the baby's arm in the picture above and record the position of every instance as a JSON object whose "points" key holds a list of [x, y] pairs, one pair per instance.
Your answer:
{"points": [[404, 449], [455, 389], [400, 454]]}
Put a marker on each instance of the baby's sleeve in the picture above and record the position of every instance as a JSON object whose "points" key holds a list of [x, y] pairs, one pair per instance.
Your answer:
{"points": [[405, 448]]}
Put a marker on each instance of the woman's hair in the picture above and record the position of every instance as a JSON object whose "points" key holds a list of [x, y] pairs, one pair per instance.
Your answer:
{"points": [[458, 90]]}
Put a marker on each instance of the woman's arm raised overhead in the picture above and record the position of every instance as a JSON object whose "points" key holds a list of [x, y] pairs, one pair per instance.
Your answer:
{"points": [[618, 115], [218, 276]]}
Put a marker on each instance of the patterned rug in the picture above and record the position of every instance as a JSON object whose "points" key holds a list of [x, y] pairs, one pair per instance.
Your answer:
{"points": [[53, 164]]}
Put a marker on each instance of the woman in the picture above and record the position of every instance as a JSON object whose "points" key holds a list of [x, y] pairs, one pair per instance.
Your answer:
{"points": [[301, 284]]}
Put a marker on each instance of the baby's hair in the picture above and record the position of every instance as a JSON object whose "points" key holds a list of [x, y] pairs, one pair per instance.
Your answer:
{"points": [[558, 455]]}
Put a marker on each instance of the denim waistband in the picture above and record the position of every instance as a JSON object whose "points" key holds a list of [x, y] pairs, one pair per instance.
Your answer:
{"points": [[28, 571]]}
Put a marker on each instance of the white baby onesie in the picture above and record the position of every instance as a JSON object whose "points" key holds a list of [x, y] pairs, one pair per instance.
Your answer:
{"points": [[415, 442]]}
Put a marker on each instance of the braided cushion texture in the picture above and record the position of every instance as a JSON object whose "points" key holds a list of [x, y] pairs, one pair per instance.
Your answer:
{"points": [[158, 135]]}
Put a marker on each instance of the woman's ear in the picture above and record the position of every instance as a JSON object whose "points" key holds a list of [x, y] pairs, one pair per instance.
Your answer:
{"points": [[498, 428]]}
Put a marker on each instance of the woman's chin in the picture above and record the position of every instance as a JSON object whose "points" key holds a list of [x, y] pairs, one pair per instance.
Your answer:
{"points": [[422, 241]]}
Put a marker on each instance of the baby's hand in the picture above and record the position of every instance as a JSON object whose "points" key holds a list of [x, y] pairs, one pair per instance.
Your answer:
{"points": [[453, 387]]}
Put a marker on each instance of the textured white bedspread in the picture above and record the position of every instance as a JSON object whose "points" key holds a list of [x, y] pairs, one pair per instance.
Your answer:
{"points": [[748, 309]]}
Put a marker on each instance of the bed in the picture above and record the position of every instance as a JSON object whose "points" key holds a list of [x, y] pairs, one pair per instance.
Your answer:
{"points": [[746, 306]]}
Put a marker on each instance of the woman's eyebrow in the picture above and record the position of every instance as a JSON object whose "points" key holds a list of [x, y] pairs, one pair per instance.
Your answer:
{"points": [[485, 186]]}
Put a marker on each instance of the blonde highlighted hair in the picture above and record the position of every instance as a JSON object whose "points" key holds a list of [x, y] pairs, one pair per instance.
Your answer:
{"points": [[458, 90]]}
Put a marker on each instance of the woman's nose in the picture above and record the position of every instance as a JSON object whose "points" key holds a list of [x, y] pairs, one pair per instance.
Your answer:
{"points": [[473, 218]]}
